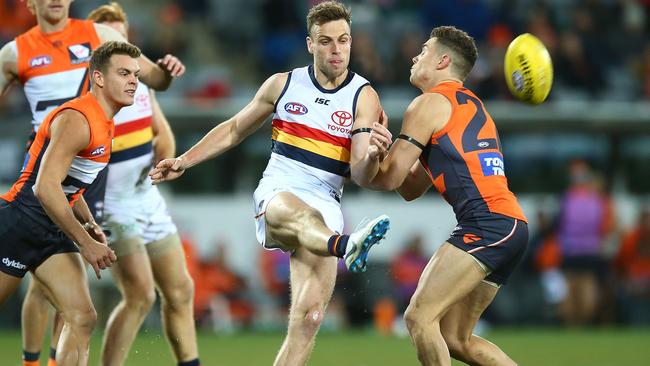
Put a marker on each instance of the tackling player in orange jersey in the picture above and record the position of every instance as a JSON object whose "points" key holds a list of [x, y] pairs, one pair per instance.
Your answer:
{"points": [[449, 140], [45, 223]]}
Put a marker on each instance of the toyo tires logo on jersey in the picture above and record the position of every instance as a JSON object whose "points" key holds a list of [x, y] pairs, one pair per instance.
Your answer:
{"points": [[491, 163], [295, 108]]}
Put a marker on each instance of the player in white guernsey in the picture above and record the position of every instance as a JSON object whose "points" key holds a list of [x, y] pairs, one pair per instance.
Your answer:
{"points": [[51, 62], [297, 203], [142, 234]]}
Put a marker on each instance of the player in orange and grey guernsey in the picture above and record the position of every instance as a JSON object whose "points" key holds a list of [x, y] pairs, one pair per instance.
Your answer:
{"points": [[45, 225], [51, 62], [449, 140]]}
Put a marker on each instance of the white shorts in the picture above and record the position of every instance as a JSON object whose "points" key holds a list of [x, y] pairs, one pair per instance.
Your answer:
{"points": [[319, 198], [144, 215]]}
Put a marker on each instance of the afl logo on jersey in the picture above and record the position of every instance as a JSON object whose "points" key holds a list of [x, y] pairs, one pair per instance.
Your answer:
{"points": [[38, 61], [295, 108], [79, 53]]}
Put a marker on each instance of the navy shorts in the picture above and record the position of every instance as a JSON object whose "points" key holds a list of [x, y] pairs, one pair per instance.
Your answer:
{"points": [[498, 241], [25, 244]]}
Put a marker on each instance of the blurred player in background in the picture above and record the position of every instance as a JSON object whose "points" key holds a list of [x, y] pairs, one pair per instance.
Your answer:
{"points": [[142, 234], [315, 110], [44, 214], [456, 142], [51, 61]]}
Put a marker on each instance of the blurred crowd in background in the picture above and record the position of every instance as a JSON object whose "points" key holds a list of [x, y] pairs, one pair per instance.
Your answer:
{"points": [[583, 267], [600, 48]]}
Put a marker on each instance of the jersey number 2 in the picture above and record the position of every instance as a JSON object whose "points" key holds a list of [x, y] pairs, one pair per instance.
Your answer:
{"points": [[471, 142]]}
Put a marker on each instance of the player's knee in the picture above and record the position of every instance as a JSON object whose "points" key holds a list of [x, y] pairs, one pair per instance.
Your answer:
{"points": [[416, 317], [181, 295], [313, 319], [83, 319], [141, 299]]}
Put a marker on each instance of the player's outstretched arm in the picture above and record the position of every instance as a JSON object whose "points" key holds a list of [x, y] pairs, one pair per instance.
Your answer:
{"points": [[225, 135], [69, 135], [365, 157], [8, 67], [157, 76], [427, 114], [164, 144]]}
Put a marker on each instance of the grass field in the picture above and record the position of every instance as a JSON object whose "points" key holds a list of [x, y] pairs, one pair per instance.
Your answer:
{"points": [[530, 346]]}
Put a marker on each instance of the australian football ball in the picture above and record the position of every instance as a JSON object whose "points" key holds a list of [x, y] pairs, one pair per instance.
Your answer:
{"points": [[528, 69]]}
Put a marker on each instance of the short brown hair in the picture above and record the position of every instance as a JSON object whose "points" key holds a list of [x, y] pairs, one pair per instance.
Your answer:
{"points": [[460, 44], [111, 12], [326, 12], [102, 55]]}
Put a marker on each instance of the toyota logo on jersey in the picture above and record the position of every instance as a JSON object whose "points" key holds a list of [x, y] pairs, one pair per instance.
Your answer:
{"points": [[342, 118], [342, 122]]}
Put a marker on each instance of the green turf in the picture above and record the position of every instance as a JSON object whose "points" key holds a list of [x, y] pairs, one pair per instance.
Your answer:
{"points": [[530, 346]]}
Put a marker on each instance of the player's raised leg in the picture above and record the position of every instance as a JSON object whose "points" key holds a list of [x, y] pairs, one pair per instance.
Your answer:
{"points": [[295, 224], [312, 283], [450, 275], [459, 322], [132, 274], [176, 294], [64, 279]]}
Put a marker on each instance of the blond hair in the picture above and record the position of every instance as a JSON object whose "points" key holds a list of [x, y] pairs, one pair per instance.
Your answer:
{"points": [[326, 12], [111, 12]]}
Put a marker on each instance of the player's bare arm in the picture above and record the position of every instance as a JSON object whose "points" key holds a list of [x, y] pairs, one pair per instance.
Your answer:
{"points": [[85, 217], [164, 143], [69, 134], [157, 76], [8, 67], [364, 157], [227, 134], [426, 115], [416, 184]]}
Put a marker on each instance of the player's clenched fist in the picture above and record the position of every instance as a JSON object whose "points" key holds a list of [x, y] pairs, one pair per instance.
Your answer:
{"points": [[98, 255], [168, 169], [172, 65]]}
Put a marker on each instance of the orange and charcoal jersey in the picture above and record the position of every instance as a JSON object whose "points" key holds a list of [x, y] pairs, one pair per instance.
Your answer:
{"points": [[84, 168], [465, 162], [53, 67]]}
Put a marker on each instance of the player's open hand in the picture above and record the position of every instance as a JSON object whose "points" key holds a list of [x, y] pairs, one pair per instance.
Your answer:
{"points": [[168, 169], [98, 255], [380, 141], [172, 65]]}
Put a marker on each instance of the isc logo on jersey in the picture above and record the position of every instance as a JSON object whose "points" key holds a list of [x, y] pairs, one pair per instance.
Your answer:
{"points": [[79, 53], [38, 61], [491, 163], [98, 151], [295, 108]]}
